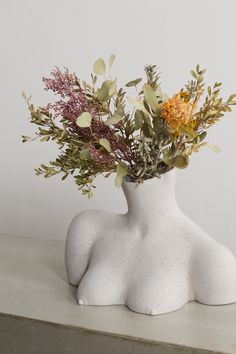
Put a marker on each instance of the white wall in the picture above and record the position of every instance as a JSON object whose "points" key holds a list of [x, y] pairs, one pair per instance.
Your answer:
{"points": [[176, 35]]}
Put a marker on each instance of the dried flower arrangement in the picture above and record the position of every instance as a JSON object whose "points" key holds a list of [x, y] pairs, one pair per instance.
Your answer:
{"points": [[97, 134]]}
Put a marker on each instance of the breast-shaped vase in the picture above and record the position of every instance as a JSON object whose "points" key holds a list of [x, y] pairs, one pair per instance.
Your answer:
{"points": [[153, 259]]}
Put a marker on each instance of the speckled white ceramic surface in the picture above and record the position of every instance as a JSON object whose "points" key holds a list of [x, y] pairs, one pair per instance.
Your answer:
{"points": [[153, 259]]}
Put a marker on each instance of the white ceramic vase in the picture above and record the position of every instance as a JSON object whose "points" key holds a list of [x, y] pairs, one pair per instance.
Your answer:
{"points": [[153, 259]]}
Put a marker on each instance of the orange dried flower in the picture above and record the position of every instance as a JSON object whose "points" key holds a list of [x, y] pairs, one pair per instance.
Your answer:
{"points": [[178, 111]]}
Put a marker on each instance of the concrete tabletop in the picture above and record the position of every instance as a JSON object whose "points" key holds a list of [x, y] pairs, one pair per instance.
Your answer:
{"points": [[39, 314]]}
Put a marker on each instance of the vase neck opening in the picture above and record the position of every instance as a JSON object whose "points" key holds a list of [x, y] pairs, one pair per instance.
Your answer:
{"points": [[153, 196]]}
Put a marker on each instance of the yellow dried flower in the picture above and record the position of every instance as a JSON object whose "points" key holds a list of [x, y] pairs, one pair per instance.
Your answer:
{"points": [[178, 112]]}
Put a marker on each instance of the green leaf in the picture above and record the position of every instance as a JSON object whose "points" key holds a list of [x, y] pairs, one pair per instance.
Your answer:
{"points": [[156, 120], [111, 60], [158, 91], [199, 138], [112, 89], [94, 78], [228, 109], [147, 130], [121, 172], [163, 96], [188, 131], [115, 118], [150, 96], [65, 176], [106, 144], [25, 138], [202, 136], [231, 97], [180, 161], [169, 152], [138, 119], [147, 119], [137, 104], [147, 107], [45, 138], [200, 79], [84, 154], [133, 82], [194, 75], [213, 147], [84, 120], [99, 67], [106, 91], [217, 84], [167, 160]]}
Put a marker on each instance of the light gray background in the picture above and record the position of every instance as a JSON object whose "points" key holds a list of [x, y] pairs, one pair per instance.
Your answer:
{"points": [[176, 35]]}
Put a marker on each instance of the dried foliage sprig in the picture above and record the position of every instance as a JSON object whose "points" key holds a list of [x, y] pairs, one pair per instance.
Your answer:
{"points": [[100, 130]]}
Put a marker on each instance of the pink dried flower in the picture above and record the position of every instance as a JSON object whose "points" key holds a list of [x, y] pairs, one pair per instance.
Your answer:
{"points": [[102, 160], [73, 102]]}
